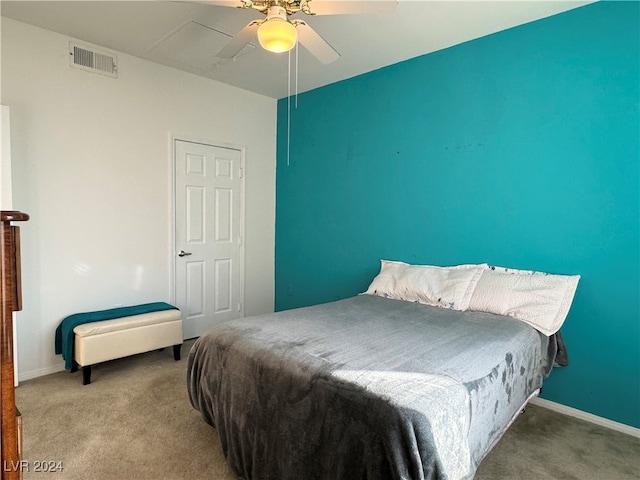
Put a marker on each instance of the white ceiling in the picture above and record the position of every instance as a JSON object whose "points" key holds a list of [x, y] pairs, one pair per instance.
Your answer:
{"points": [[187, 35]]}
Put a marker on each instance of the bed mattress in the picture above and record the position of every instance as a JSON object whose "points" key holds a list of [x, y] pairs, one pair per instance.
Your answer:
{"points": [[365, 388]]}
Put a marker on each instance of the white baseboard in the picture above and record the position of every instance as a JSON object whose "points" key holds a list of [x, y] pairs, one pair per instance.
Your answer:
{"points": [[589, 417], [24, 376]]}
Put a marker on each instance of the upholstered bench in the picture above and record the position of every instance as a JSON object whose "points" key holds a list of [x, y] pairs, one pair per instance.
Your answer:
{"points": [[100, 341]]}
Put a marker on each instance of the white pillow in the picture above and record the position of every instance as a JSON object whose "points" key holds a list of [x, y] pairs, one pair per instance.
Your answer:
{"points": [[539, 299], [384, 284], [447, 287], [513, 271]]}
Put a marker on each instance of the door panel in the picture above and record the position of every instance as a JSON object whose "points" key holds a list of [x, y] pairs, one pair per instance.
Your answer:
{"points": [[223, 285], [196, 213], [208, 244]]}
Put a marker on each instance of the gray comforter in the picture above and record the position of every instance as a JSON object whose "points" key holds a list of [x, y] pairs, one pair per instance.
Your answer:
{"points": [[365, 388]]}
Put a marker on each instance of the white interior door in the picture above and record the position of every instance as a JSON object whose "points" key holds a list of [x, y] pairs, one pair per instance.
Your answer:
{"points": [[208, 236]]}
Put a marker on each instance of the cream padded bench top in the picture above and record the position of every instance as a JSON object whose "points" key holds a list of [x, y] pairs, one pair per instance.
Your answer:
{"points": [[105, 340], [124, 323]]}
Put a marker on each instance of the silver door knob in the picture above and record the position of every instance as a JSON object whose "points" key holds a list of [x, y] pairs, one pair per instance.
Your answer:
{"points": [[182, 253]]}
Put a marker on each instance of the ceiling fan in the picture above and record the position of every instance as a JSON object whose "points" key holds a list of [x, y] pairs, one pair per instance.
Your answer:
{"points": [[278, 33]]}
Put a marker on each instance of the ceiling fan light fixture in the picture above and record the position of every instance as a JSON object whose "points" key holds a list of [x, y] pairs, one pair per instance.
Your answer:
{"points": [[276, 33]]}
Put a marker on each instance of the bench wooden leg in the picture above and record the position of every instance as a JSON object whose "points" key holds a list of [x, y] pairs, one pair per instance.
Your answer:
{"points": [[176, 351], [86, 375], [74, 367]]}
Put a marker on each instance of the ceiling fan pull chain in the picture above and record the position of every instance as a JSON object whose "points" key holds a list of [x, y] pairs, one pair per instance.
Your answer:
{"points": [[289, 110]]}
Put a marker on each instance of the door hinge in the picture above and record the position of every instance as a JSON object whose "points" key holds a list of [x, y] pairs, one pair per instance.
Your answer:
{"points": [[240, 172]]}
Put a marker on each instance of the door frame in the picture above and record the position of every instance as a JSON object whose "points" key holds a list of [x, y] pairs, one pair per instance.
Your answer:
{"points": [[172, 243]]}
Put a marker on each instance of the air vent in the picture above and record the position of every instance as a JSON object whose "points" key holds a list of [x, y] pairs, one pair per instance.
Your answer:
{"points": [[93, 60]]}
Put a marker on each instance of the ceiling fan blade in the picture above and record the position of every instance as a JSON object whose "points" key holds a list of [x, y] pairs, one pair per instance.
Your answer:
{"points": [[346, 7], [317, 45], [238, 42], [222, 3]]}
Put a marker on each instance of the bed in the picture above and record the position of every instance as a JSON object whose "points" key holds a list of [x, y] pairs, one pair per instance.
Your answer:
{"points": [[368, 387]]}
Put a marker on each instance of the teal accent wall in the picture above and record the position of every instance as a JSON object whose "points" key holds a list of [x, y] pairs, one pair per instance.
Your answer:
{"points": [[518, 149]]}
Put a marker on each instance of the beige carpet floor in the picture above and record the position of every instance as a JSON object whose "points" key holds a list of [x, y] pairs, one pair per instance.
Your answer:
{"points": [[134, 421]]}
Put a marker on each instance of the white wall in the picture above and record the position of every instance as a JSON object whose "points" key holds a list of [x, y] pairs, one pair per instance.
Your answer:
{"points": [[5, 159], [92, 167]]}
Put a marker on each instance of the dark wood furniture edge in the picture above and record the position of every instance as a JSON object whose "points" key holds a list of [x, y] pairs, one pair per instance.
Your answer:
{"points": [[13, 216], [10, 300]]}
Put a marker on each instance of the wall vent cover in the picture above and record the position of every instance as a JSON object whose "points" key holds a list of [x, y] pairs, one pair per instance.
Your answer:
{"points": [[93, 60]]}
